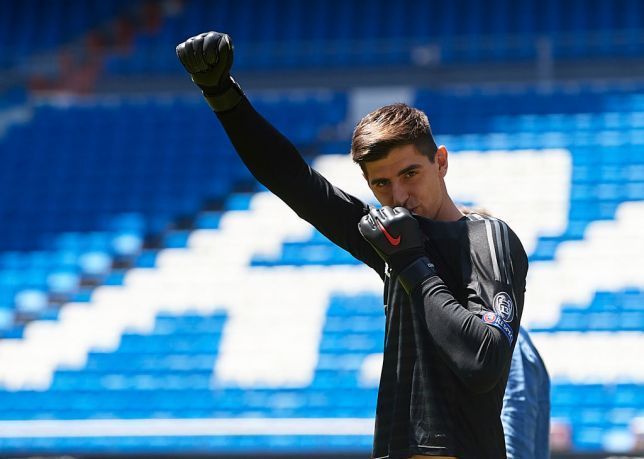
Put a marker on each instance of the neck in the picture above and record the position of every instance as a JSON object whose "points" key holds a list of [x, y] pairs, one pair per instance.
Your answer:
{"points": [[448, 212]]}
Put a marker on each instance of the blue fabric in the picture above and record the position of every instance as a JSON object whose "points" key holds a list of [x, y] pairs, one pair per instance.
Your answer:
{"points": [[526, 404]]}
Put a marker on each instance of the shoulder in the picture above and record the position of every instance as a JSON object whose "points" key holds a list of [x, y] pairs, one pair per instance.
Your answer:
{"points": [[494, 245], [494, 231], [498, 230]]}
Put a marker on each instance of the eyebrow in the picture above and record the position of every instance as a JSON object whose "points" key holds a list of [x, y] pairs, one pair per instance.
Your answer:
{"points": [[409, 168]]}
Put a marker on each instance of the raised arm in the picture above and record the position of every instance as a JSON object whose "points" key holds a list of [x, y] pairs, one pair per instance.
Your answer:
{"points": [[270, 156]]}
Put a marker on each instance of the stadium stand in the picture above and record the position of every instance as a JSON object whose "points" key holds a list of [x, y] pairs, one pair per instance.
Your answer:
{"points": [[367, 34], [91, 209], [134, 239], [192, 345]]}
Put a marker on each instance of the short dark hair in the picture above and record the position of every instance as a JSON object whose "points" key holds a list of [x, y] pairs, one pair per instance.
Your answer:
{"points": [[388, 127]]}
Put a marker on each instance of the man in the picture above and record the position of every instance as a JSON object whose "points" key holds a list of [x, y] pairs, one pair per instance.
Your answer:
{"points": [[526, 404], [454, 285]]}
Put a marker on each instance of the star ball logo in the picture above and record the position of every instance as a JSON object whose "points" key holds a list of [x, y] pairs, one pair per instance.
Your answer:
{"points": [[503, 306], [496, 321], [489, 317]]}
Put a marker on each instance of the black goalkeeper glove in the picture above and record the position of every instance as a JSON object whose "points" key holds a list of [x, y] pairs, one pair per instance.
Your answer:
{"points": [[208, 58], [397, 238]]}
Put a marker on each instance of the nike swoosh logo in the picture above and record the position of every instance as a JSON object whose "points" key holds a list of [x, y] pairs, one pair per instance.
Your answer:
{"points": [[392, 240]]}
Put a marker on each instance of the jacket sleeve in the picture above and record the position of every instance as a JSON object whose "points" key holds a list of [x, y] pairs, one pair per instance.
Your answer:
{"points": [[526, 408], [476, 340], [275, 162]]}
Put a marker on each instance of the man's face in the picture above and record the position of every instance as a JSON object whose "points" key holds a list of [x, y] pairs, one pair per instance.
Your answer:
{"points": [[407, 178]]}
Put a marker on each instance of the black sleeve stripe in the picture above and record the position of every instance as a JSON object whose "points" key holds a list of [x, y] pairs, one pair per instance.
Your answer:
{"points": [[503, 250], [498, 238], [508, 257], [503, 253], [498, 247], [492, 246], [498, 241], [506, 246]]}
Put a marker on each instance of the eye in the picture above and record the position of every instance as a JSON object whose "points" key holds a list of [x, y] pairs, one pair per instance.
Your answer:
{"points": [[411, 173], [380, 183]]}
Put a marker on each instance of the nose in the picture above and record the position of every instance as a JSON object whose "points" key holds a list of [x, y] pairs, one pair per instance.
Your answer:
{"points": [[400, 195]]}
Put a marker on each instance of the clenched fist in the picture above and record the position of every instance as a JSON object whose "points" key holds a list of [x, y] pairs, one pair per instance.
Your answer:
{"points": [[208, 58]]}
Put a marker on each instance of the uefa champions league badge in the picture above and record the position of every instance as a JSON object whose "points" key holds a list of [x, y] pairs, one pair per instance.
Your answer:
{"points": [[489, 317], [495, 320], [503, 306]]}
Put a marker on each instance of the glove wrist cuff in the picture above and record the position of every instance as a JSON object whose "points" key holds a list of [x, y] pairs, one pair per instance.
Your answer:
{"points": [[415, 273], [226, 100]]}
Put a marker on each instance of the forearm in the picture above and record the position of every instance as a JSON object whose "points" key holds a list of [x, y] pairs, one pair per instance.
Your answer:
{"points": [[476, 352]]}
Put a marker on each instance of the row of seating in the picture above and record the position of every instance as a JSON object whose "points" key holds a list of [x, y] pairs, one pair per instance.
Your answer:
{"points": [[526, 109], [629, 299], [33, 26], [371, 34], [197, 444], [571, 396], [600, 321], [247, 21], [161, 398]]}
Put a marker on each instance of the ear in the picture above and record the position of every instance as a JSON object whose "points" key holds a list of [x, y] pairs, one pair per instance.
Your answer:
{"points": [[441, 160]]}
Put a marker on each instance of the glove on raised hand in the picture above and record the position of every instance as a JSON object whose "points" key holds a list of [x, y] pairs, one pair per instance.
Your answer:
{"points": [[208, 58], [397, 238]]}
